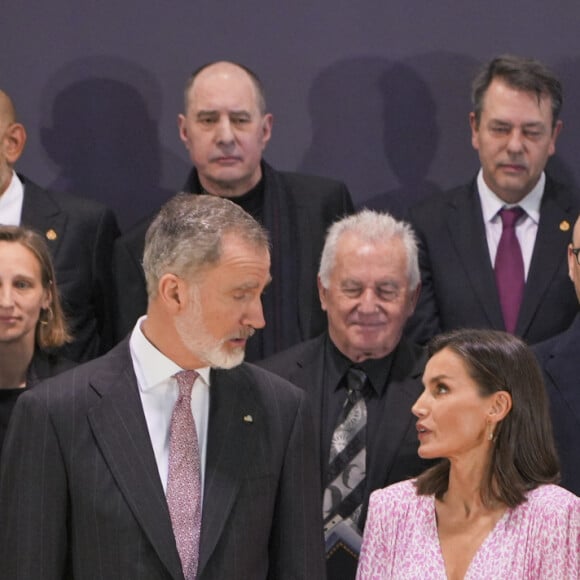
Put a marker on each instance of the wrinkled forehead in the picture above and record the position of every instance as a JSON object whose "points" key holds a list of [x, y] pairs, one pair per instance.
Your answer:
{"points": [[223, 87], [377, 259], [501, 93]]}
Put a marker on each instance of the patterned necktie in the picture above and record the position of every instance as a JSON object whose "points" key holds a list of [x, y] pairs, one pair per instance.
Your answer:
{"points": [[184, 479], [509, 268], [347, 464]]}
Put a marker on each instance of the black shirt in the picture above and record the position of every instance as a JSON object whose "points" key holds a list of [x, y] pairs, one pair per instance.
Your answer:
{"points": [[336, 366]]}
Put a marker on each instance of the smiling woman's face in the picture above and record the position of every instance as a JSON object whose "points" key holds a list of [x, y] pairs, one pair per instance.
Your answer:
{"points": [[22, 295]]}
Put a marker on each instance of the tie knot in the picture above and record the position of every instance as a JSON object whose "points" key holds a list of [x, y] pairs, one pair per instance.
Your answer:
{"points": [[356, 380], [185, 380], [510, 216]]}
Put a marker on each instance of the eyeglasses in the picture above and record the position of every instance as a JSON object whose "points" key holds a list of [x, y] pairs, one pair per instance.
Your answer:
{"points": [[576, 251]]}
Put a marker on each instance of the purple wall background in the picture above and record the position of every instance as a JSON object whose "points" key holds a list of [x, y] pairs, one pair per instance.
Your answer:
{"points": [[373, 92]]}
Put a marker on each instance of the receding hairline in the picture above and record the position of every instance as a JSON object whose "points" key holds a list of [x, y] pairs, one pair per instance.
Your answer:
{"points": [[256, 83]]}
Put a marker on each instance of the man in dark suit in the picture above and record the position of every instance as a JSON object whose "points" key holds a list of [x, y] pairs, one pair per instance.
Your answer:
{"points": [[369, 284], [514, 127], [559, 358], [225, 128], [102, 463], [79, 233]]}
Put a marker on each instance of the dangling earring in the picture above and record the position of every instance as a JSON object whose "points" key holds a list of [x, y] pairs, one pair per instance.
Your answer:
{"points": [[490, 435], [46, 316]]}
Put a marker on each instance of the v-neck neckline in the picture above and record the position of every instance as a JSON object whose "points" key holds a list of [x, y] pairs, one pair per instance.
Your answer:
{"points": [[500, 524]]}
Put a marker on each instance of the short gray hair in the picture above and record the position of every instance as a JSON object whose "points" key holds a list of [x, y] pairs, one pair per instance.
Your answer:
{"points": [[187, 234], [372, 227]]}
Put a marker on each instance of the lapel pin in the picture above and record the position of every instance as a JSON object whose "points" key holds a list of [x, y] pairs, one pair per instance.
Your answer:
{"points": [[564, 225], [248, 419], [51, 235]]}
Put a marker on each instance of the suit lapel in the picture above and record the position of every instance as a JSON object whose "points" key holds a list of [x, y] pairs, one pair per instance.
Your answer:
{"points": [[467, 232], [308, 373], [121, 432], [548, 254], [41, 213], [400, 397], [231, 435]]}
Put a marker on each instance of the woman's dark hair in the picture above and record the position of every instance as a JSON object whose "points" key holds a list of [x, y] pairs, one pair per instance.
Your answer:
{"points": [[523, 455]]}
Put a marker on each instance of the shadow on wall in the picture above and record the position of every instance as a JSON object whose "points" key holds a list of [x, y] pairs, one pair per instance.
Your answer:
{"points": [[410, 138], [100, 127], [563, 166], [347, 114], [394, 131]]}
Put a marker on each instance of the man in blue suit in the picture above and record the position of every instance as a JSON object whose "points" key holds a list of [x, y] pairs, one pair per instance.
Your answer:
{"points": [[559, 358]]}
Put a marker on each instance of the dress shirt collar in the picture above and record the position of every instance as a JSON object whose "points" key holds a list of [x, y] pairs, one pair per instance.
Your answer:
{"points": [[152, 367], [11, 202], [491, 203], [376, 369]]}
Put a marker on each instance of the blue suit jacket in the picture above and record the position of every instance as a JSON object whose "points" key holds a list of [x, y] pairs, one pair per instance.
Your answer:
{"points": [[559, 358]]}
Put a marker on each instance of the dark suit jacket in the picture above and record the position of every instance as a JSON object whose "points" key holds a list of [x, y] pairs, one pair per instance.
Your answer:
{"points": [[559, 358], [80, 234], [392, 450], [458, 284], [42, 366], [81, 496], [315, 203]]}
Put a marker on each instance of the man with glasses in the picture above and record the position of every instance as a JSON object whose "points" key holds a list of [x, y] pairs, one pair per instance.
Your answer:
{"points": [[559, 358], [492, 253]]}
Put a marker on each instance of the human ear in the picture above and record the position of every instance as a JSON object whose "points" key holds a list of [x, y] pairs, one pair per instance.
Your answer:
{"points": [[14, 141], [555, 132], [501, 405], [474, 130], [182, 126], [321, 294], [170, 291]]}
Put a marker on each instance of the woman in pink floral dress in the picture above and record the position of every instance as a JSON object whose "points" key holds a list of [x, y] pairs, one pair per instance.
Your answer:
{"points": [[489, 509]]}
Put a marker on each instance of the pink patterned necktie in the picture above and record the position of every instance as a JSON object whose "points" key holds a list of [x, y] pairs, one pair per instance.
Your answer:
{"points": [[184, 479], [509, 268]]}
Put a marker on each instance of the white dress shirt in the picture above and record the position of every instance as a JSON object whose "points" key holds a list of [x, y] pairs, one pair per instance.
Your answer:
{"points": [[11, 202], [527, 225], [159, 391]]}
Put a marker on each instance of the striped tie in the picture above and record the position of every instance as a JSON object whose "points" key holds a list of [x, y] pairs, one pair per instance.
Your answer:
{"points": [[347, 463]]}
